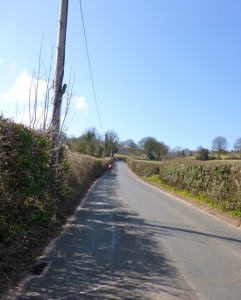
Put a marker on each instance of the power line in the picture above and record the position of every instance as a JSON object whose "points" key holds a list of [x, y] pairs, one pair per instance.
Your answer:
{"points": [[88, 56]]}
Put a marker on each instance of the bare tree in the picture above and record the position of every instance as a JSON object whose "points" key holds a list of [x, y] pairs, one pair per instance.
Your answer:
{"points": [[130, 146], [152, 148], [40, 122], [111, 141], [164, 149], [219, 145], [44, 102], [237, 145]]}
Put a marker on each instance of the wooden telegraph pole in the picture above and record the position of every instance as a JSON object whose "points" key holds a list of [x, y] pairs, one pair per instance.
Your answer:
{"points": [[59, 88]]}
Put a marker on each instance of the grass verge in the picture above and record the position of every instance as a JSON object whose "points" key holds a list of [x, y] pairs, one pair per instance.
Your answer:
{"points": [[200, 201]]}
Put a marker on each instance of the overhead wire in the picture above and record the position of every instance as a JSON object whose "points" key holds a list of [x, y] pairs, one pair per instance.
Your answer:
{"points": [[90, 69]]}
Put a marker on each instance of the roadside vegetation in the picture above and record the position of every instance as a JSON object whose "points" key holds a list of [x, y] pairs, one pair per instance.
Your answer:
{"points": [[216, 183], [208, 176], [35, 202], [150, 148], [37, 198]]}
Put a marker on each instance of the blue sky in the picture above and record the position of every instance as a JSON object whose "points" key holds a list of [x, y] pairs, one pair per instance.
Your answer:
{"points": [[170, 69]]}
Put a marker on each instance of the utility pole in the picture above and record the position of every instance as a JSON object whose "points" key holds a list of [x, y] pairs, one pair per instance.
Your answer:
{"points": [[105, 145], [59, 88]]}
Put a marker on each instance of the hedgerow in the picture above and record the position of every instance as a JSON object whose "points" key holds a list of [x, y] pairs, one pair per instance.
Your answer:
{"points": [[218, 182], [25, 178], [35, 197]]}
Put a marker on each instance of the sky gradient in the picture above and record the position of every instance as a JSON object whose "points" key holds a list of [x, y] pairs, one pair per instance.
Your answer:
{"points": [[170, 69]]}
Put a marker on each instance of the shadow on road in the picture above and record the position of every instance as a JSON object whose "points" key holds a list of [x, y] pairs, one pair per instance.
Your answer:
{"points": [[107, 252], [168, 230]]}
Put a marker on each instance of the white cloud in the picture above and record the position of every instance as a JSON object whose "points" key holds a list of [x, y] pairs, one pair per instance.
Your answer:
{"points": [[81, 104], [13, 67], [24, 88], [22, 91], [1, 60]]}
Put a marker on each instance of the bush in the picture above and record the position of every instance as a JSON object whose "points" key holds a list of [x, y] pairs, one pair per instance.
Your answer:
{"points": [[25, 176], [202, 154], [35, 199], [215, 181], [27, 179], [76, 173], [143, 168], [218, 182]]}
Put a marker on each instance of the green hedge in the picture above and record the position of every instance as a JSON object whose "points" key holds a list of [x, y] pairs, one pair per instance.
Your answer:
{"points": [[143, 168], [35, 199], [30, 192], [217, 182], [25, 178]]}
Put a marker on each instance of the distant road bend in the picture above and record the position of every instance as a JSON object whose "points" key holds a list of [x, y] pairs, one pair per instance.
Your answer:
{"points": [[129, 240]]}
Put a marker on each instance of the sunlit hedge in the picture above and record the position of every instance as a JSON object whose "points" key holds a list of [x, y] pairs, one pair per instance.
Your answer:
{"points": [[218, 182], [143, 168], [25, 178], [30, 192], [35, 198]]}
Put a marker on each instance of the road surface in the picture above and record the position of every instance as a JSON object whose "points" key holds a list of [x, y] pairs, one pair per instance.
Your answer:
{"points": [[128, 240]]}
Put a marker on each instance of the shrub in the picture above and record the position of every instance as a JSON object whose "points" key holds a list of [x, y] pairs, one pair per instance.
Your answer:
{"points": [[143, 168], [34, 202], [202, 154], [215, 181], [25, 177], [80, 171]]}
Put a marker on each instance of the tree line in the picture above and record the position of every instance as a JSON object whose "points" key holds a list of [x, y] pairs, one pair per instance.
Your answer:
{"points": [[219, 146], [94, 144]]}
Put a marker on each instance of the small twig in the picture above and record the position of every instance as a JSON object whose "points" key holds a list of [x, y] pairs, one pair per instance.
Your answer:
{"points": [[8, 279]]}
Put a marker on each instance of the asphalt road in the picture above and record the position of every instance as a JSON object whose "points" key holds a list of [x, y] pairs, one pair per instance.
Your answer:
{"points": [[131, 241]]}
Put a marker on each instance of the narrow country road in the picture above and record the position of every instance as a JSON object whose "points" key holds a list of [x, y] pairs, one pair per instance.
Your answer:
{"points": [[129, 240]]}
